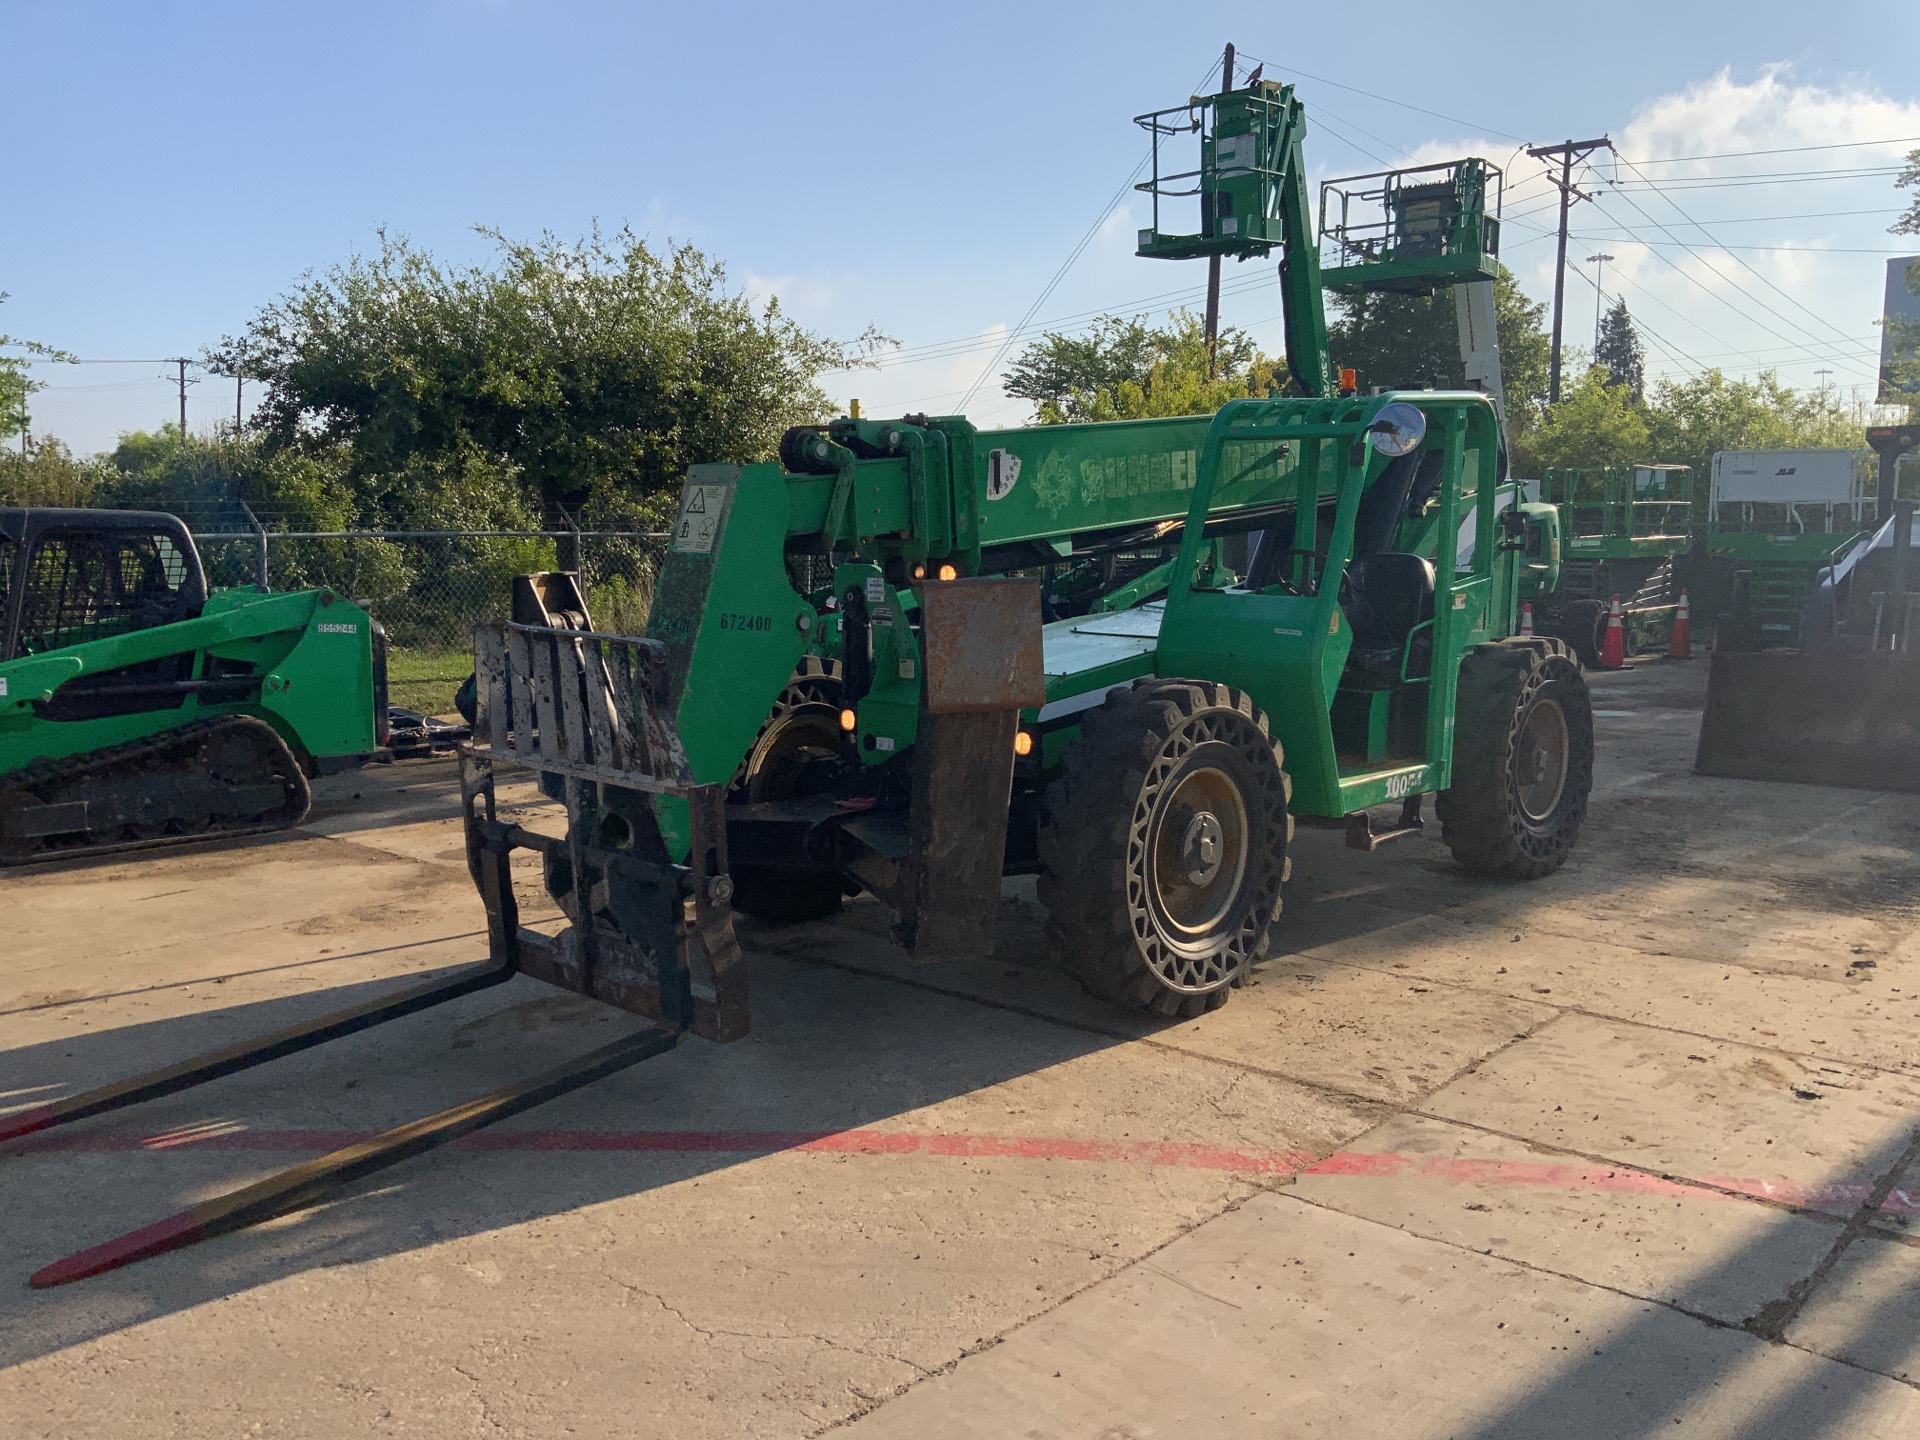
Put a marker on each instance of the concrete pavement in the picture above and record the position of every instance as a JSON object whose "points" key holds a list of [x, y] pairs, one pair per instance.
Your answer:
{"points": [[1627, 1151]]}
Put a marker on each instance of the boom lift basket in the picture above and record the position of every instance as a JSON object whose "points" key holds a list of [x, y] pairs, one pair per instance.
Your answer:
{"points": [[1411, 231], [1248, 140]]}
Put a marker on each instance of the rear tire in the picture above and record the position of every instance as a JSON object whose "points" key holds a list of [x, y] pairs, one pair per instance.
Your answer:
{"points": [[1522, 759], [1165, 847], [1583, 625]]}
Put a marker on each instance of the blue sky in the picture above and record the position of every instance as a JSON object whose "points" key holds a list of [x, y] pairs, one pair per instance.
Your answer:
{"points": [[922, 168]]}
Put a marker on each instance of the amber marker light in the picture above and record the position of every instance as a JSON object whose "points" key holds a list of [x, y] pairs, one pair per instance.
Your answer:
{"points": [[848, 720], [1022, 743], [947, 572]]}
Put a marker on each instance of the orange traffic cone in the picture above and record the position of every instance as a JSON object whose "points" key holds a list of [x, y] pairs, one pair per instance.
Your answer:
{"points": [[1613, 648], [1680, 638], [1526, 617]]}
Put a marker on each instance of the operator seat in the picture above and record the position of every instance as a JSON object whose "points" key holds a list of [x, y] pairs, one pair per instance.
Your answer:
{"points": [[1384, 596]]}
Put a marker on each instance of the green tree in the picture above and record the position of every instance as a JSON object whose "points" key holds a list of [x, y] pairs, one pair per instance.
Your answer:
{"points": [[1127, 369], [47, 474], [206, 481], [1688, 420], [1597, 422], [16, 381], [1620, 352], [1406, 341], [580, 373], [1909, 179]]}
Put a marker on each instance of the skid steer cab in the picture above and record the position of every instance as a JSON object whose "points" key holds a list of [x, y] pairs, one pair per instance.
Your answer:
{"points": [[139, 708]]}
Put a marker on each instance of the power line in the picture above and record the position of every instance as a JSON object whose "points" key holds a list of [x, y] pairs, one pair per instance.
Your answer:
{"points": [[1065, 266], [1802, 215], [1389, 100], [1708, 182], [1770, 249], [1783, 150], [1736, 259], [1807, 351]]}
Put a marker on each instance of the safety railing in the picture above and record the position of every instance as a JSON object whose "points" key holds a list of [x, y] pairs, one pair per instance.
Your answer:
{"points": [[1781, 517]]}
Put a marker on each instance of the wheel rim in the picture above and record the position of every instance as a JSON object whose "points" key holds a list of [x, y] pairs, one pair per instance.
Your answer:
{"points": [[810, 731], [1541, 760], [1199, 850]]}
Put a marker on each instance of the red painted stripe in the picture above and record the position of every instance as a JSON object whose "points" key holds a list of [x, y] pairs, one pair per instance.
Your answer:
{"points": [[1837, 1198], [157, 1239], [25, 1122]]}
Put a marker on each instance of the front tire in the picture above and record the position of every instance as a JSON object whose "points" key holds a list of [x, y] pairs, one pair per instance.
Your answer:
{"points": [[1522, 759], [1166, 846], [798, 741]]}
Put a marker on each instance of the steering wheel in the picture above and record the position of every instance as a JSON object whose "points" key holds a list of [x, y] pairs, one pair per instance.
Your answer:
{"points": [[1287, 585]]}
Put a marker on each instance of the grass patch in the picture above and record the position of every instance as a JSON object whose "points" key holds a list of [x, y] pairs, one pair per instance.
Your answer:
{"points": [[425, 680]]}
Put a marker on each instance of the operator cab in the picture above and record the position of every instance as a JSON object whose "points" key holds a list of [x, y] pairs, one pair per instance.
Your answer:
{"points": [[70, 576]]}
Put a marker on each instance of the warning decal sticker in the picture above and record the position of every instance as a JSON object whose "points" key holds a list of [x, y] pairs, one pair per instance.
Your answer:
{"points": [[700, 509]]}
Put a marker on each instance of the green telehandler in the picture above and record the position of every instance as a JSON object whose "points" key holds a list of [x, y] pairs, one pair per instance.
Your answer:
{"points": [[139, 709], [912, 656]]}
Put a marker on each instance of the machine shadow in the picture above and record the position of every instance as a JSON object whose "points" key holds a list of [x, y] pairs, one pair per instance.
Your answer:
{"points": [[1666, 1374], [848, 1033], [831, 1051]]}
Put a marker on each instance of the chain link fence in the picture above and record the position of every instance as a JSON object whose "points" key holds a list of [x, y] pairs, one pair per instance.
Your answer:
{"points": [[430, 587]]}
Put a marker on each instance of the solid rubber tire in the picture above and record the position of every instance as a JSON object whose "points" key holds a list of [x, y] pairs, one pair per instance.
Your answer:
{"points": [[1089, 886], [1480, 815]]}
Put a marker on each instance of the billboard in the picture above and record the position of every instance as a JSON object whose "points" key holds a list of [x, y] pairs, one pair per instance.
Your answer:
{"points": [[1900, 333]]}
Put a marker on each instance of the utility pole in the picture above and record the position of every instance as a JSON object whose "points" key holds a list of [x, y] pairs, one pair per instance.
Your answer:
{"points": [[181, 380], [1599, 297], [238, 385], [1568, 152], [1213, 261]]}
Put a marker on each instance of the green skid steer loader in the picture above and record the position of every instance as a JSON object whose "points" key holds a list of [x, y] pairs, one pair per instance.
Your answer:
{"points": [[138, 709]]}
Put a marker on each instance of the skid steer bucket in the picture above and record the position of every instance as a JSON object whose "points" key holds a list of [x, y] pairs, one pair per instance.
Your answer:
{"points": [[1817, 717], [1845, 710], [587, 713]]}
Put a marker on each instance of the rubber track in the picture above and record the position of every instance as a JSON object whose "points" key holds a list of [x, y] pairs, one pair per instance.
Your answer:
{"points": [[72, 768]]}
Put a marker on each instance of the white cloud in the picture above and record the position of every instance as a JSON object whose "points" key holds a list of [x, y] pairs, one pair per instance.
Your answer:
{"points": [[1722, 292], [1742, 260]]}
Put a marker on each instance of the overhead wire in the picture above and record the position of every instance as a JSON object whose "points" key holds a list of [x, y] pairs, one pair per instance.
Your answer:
{"points": [[1666, 347], [1765, 280], [1067, 264], [1784, 150], [1701, 285]]}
